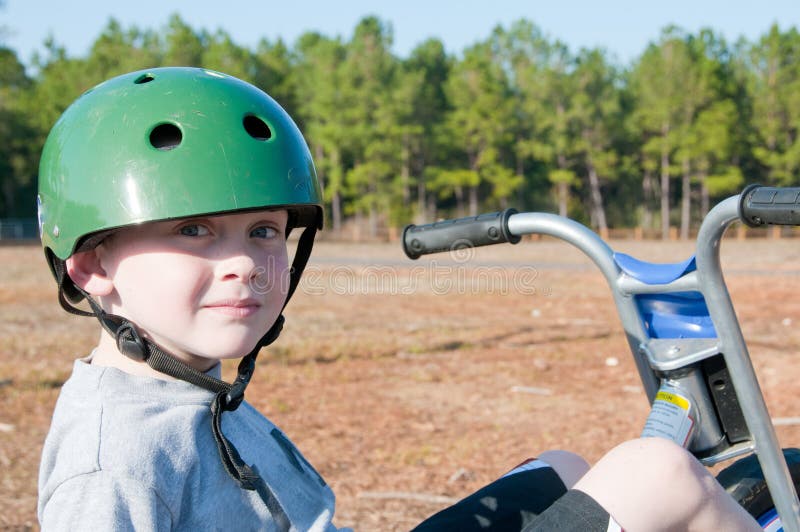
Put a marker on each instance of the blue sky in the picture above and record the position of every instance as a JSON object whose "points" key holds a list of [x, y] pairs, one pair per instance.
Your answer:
{"points": [[623, 27]]}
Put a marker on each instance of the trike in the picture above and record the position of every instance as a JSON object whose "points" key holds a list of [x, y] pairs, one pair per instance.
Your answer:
{"points": [[684, 337]]}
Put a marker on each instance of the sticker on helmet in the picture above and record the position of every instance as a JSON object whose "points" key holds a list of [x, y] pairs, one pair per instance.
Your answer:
{"points": [[40, 214]]}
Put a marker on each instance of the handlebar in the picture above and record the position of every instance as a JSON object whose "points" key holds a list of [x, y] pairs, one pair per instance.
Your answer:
{"points": [[469, 232], [759, 205]]}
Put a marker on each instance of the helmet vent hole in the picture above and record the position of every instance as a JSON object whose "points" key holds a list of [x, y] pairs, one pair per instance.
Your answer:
{"points": [[144, 78], [256, 128], [166, 137]]}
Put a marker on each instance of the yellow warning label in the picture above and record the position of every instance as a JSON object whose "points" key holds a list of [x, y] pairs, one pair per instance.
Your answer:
{"points": [[677, 400]]}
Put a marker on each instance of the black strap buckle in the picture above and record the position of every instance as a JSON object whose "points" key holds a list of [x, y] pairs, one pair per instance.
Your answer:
{"points": [[130, 343], [235, 395]]}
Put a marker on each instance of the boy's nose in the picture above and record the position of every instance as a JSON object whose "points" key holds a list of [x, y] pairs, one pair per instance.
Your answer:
{"points": [[241, 266]]}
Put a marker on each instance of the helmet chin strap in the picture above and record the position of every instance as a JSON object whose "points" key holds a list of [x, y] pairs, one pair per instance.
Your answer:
{"points": [[228, 396]]}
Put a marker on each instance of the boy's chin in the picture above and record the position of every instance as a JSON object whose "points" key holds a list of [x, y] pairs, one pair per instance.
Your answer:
{"points": [[226, 352]]}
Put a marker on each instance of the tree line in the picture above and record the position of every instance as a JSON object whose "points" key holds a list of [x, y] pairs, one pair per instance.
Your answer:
{"points": [[516, 119]]}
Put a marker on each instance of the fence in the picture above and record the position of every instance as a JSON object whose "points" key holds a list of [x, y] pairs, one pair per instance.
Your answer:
{"points": [[12, 229], [16, 229]]}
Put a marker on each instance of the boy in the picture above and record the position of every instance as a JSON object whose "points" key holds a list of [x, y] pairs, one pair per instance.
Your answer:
{"points": [[165, 199], [134, 180]]}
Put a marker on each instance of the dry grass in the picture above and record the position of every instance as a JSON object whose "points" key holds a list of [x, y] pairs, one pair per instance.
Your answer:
{"points": [[401, 388]]}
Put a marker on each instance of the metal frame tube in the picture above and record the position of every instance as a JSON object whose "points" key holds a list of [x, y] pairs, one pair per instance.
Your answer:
{"points": [[602, 255], [737, 358]]}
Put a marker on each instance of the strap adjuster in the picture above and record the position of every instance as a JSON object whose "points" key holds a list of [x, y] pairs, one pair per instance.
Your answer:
{"points": [[235, 395], [130, 343]]}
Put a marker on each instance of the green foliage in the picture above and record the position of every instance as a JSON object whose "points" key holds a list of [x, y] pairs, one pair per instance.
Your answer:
{"points": [[182, 46], [222, 54], [316, 76], [562, 176], [773, 79], [447, 182], [18, 139], [514, 119], [117, 51], [272, 71], [728, 182]]}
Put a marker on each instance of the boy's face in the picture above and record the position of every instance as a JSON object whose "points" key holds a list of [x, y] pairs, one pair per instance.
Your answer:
{"points": [[203, 288]]}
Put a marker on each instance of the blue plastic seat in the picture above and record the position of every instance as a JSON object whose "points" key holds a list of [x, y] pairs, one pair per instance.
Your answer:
{"points": [[652, 272]]}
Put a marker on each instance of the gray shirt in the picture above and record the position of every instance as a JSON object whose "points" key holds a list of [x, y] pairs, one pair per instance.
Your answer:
{"points": [[126, 452]]}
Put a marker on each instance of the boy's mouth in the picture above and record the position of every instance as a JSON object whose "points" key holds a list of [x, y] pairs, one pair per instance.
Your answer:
{"points": [[237, 308]]}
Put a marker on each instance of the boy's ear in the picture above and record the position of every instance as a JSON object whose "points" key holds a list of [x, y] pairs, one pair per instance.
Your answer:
{"points": [[85, 270]]}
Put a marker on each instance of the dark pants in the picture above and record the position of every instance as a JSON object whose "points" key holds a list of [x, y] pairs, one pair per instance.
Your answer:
{"points": [[529, 501]]}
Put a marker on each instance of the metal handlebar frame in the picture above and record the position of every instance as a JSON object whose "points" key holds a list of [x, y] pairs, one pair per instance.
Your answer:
{"points": [[708, 280]]}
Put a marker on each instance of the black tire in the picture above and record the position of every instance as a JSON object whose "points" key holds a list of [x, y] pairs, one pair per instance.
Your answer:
{"points": [[745, 482]]}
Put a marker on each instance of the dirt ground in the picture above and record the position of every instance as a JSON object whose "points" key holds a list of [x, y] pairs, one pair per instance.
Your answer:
{"points": [[411, 384]]}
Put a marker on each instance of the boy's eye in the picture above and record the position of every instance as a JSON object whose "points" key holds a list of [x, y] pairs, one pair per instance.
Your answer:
{"points": [[263, 231], [194, 230]]}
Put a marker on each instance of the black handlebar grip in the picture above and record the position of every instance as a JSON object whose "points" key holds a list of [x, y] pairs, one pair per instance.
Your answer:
{"points": [[447, 235], [769, 205]]}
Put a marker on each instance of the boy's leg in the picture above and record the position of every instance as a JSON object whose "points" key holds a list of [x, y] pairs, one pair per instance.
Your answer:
{"points": [[651, 484], [515, 499]]}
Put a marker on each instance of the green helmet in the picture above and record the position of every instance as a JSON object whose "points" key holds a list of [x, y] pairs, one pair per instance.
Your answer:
{"points": [[169, 143]]}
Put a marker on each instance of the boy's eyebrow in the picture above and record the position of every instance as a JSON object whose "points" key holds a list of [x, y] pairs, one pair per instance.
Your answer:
{"points": [[262, 217], [192, 219], [272, 216], [274, 219]]}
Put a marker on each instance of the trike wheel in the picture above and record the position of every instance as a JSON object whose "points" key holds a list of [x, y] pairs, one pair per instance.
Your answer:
{"points": [[744, 481]]}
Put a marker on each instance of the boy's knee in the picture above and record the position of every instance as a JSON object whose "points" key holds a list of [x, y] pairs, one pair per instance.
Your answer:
{"points": [[660, 462], [625, 479], [645, 449], [648, 462]]}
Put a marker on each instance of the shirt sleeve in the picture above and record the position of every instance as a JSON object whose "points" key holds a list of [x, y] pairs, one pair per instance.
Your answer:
{"points": [[103, 501]]}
